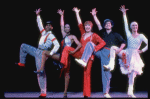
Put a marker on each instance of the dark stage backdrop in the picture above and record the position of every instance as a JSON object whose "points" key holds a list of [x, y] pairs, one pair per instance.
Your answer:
{"points": [[26, 31]]}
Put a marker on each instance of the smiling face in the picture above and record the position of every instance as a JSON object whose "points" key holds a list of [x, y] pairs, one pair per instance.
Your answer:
{"points": [[67, 28], [88, 26], [48, 27], [134, 26], [108, 25]]}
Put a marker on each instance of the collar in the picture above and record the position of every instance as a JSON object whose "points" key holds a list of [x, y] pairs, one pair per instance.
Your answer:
{"points": [[109, 33]]}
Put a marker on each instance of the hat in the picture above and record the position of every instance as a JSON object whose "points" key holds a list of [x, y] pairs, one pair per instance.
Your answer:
{"points": [[108, 20], [49, 22]]}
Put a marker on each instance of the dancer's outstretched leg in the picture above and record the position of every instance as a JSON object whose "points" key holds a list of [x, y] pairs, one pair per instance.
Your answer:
{"points": [[45, 55], [24, 50], [111, 64], [89, 48]]}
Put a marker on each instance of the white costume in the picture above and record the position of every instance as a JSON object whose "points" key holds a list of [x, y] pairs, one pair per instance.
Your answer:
{"points": [[130, 60], [133, 59]]}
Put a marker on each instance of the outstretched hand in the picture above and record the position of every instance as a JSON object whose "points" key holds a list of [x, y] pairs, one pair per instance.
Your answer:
{"points": [[61, 12], [123, 9], [38, 11], [94, 12], [75, 9]]}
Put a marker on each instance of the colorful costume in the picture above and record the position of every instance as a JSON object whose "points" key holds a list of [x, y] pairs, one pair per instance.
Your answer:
{"points": [[46, 41], [87, 71], [103, 54]]}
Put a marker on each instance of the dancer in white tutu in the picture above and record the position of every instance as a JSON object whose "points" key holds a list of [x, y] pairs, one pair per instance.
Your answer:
{"points": [[130, 60]]}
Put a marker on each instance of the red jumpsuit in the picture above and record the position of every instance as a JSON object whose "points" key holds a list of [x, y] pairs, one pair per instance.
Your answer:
{"points": [[99, 42]]}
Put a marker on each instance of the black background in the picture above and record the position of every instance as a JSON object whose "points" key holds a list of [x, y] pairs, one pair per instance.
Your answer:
{"points": [[25, 30]]}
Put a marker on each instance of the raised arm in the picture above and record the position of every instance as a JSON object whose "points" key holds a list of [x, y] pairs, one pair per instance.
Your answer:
{"points": [[39, 21], [123, 10], [94, 12], [62, 22], [76, 10], [80, 25]]}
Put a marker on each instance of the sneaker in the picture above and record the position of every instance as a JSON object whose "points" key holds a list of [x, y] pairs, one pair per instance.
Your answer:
{"points": [[108, 67], [107, 96], [81, 62]]}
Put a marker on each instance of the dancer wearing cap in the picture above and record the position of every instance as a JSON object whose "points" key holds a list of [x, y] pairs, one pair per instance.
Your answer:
{"points": [[130, 61], [46, 41], [67, 40], [111, 38], [86, 36]]}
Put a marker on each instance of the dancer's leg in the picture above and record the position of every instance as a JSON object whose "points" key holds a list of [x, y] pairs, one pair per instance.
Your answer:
{"points": [[131, 77], [24, 50], [88, 52], [45, 55], [103, 55], [111, 64], [67, 78], [87, 80], [65, 55], [41, 77]]}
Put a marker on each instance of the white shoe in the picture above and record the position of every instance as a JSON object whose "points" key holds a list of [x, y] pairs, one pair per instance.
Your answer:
{"points": [[107, 96], [81, 62], [108, 67], [131, 95]]}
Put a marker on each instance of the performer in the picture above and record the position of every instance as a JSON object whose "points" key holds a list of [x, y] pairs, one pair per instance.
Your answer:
{"points": [[67, 40], [46, 41], [86, 36], [111, 38], [130, 60]]}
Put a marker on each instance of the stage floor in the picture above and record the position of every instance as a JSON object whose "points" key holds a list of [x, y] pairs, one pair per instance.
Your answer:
{"points": [[72, 94]]}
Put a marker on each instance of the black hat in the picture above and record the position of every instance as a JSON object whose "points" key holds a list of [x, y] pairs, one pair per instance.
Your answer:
{"points": [[108, 20]]}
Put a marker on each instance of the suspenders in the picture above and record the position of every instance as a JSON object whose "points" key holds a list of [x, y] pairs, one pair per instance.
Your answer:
{"points": [[46, 37]]}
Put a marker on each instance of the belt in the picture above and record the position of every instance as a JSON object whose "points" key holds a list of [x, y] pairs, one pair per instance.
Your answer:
{"points": [[107, 49]]}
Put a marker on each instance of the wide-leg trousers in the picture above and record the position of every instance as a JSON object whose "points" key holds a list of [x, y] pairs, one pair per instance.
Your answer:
{"points": [[103, 55], [35, 52]]}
